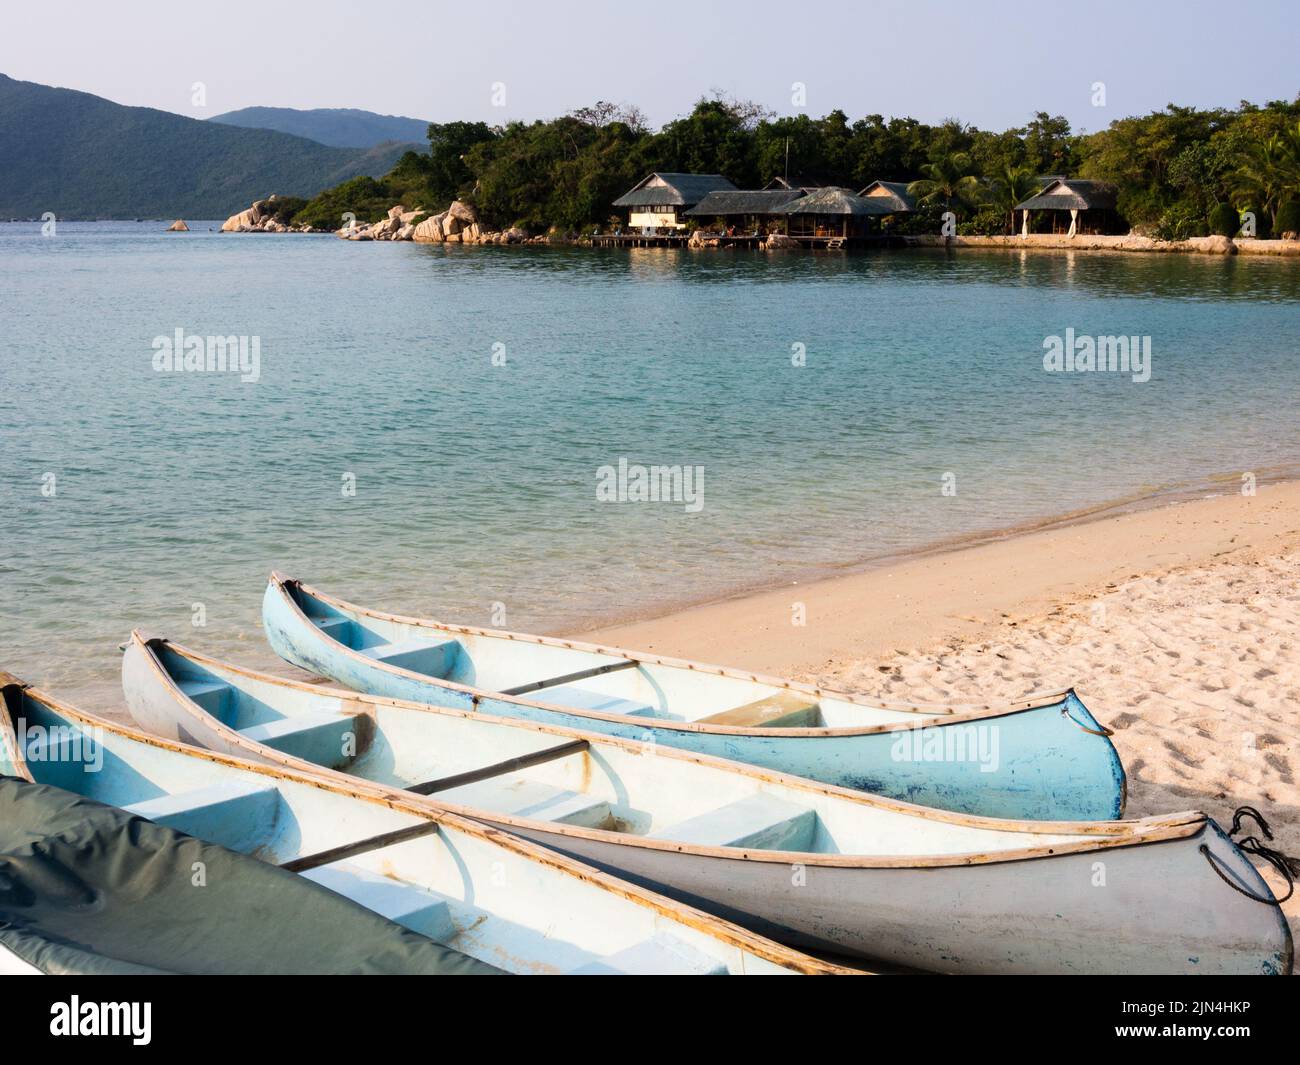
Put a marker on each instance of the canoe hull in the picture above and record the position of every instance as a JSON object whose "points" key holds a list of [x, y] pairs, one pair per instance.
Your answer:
{"points": [[1092, 913], [1035, 764]]}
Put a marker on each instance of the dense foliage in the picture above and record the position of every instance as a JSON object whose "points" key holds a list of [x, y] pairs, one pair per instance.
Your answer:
{"points": [[1180, 172]]}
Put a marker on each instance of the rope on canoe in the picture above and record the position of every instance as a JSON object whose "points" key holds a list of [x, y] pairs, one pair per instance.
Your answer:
{"points": [[1289, 867], [1101, 729]]}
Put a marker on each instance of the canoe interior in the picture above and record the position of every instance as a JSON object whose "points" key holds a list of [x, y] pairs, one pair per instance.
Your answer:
{"points": [[457, 887], [650, 690], [628, 790]]}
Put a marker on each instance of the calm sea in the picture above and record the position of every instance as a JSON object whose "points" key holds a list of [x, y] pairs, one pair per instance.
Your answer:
{"points": [[429, 424]]}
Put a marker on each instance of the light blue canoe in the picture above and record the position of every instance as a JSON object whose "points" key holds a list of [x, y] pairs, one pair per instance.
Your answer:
{"points": [[487, 894], [1043, 758]]}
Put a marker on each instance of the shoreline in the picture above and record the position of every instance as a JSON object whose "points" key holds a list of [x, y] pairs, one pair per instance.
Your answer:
{"points": [[1212, 486], [751, 628], [1130, 243], [1178, 625]]}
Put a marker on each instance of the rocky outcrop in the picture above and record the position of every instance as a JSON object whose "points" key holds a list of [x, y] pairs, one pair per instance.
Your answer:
{"points": [[1215, 245], [777, 241], [178, 226], [459, 224], [250, 219], [260, 218], [429, 231], [449, 226]]}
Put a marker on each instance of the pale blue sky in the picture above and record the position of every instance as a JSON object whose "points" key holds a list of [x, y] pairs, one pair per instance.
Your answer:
{"points": [[992, 64]]}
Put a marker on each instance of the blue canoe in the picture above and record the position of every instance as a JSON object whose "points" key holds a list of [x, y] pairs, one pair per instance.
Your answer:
{"points": [[1043, 758]]}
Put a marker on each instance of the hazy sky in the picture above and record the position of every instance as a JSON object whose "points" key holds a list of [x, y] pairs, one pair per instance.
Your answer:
{"points": [[991, 64]]}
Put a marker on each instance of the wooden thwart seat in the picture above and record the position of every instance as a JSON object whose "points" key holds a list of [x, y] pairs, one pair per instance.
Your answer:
{"points": [[435, 658], [785, 709], [319, 736], [211, 695], [525, 798], [336, 628], [759, 821], [502, 768]]}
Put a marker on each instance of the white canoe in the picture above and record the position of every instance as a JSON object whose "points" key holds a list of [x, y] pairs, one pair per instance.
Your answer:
{"points": [[1044, 757], [811, 864], [485, 893]]}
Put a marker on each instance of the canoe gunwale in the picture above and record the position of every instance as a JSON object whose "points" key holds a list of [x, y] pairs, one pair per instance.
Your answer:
{"points": [[944, 714], [723, 931], [1106, 834]]}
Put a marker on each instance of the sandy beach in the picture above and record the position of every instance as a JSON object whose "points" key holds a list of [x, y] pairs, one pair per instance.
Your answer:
{"points": [[1179, 626]]}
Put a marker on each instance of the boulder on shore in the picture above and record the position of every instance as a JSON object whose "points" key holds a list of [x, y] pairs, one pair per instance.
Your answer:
{"points": [[1213, 245], [178, 226], [429, 231], [779, 240], [259, 217]]}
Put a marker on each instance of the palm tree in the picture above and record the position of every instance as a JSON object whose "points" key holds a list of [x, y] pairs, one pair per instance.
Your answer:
{"points": [[1269, 174], [947, 178], [1010, 186]]}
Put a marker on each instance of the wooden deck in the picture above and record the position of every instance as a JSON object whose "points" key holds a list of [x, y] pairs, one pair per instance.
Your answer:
{"points": [[641, 240]]}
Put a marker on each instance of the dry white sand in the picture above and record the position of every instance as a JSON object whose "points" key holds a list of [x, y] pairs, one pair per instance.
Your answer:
{"points": [[1180, 627]]}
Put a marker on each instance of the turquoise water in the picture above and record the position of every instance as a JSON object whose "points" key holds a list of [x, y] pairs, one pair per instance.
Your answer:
{"points": [[475, 482]]}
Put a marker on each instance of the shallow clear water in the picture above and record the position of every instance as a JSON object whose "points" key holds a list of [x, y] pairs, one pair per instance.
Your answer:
{"points": [[476, 482]]}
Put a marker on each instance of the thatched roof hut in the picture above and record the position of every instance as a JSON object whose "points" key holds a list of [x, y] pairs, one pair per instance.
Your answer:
{"points": [[658, 200], [1089, 206], [1072, 194], [672, 190], [893, 193], [835, 201], [832, 213], [744, 202]]}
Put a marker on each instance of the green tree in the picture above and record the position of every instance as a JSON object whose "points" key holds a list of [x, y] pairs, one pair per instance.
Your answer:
{"points": [[1269, 173], [717, 137], [947, 179], [449, 144], [1010, 186], [1050, 148]]}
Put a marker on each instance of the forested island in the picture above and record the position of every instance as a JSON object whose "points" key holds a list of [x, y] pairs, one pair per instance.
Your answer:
{"points": [[1181, 172]]}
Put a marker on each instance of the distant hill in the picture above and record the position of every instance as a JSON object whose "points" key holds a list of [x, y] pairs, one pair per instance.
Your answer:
{"points": [[82, 156], [342, 127]]}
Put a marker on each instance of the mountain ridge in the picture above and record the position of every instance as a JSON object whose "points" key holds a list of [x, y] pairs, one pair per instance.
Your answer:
{"points": [[339, 127], [82, 156]]}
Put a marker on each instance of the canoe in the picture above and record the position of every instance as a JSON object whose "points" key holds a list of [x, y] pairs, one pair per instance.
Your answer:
{"points": [[493, 897], [90, 889], [1044, 758], [814, 865]]}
